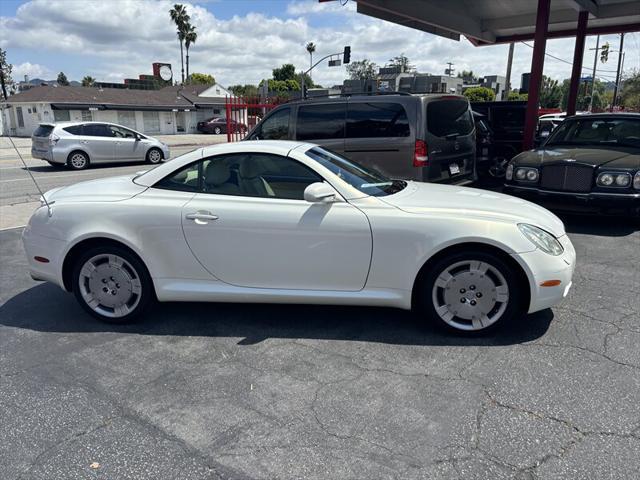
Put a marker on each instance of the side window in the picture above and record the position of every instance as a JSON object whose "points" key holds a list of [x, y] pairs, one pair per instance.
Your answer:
{"points": [[377, 120], [121, 132], [316, 122], [186, 179], [96, 130], [74, 129], [276, 127]]}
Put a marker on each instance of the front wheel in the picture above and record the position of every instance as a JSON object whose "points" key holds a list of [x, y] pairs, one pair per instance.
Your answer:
{"points": [[154, 156], [112, 284], [470, 292]]}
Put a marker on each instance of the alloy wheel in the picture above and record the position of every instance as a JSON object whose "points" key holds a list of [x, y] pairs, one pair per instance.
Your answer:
{"points": [[470, 295], [154, 156], [78, 161]]}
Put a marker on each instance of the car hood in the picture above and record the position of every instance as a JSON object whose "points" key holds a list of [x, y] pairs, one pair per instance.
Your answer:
{"points": [[113, 189], [430, 198], [617, 158]]}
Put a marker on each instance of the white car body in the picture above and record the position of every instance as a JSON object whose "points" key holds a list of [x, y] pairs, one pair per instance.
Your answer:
{"points": [[356, 250]]}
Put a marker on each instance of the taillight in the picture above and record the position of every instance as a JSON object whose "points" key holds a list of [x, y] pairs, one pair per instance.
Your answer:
{"points": [[420, 155], [53, 139]]}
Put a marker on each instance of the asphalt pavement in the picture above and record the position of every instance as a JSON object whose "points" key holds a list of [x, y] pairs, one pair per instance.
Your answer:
{"points": [[209, 391]]}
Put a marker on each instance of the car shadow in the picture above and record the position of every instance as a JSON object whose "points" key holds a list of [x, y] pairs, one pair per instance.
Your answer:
{"points": [[603, 226], [97, 166], [45, 308]]}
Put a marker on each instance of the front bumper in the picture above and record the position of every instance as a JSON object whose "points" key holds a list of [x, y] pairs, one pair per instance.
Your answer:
{"points": [[48, 248], [541, 267], [592, 202]]}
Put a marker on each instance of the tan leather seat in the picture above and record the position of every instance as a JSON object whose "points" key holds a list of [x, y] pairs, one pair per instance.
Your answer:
{"points": [[216, 179], [250, 179]]}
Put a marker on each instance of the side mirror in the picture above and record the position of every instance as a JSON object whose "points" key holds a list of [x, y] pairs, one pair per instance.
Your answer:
{"points": [[320, 192], [138, 137]]}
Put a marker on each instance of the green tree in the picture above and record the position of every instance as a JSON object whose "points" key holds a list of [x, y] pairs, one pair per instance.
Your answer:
{"points": [[247, 90], [62, 79], [550, 93], [285, 72], [180, 17], [362, 70], [311, 47], [6, 82], [630, 93], [202, 79], [480, 94], [190, 37], [584, 95], [88, 81], [402, 62], [468, 76], [516, 96]]}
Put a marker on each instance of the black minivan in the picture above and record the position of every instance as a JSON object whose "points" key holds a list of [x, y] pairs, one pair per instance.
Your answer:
{"points": [[429, 137]]}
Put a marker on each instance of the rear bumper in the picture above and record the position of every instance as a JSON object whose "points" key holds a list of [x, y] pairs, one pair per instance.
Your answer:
{"points": [[592, 202]]}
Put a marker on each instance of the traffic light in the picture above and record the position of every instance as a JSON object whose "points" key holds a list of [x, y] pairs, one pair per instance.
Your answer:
{"points": [[346, 56], [604, 53]]}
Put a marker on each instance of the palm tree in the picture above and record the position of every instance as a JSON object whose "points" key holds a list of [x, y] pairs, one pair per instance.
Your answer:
{"points": [[190, 38], [311, 47], [88, 81], [179, 16]]}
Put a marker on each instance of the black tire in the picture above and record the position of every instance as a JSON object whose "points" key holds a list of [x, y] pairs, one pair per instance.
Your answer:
{"points": [[154, 156], [78, 160], [132, 266], [217, 130], [427, 293]]}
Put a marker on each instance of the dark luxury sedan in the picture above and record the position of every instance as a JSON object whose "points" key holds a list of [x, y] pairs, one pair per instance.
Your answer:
{"points": [[590, 163], [218, 125]]}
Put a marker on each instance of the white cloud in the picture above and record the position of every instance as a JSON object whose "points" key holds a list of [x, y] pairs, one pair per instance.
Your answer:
{"points": [[31, 70], [121, 39]]}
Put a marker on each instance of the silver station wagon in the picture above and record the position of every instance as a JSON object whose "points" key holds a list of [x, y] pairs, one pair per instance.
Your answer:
{"points": [[80, 144]]}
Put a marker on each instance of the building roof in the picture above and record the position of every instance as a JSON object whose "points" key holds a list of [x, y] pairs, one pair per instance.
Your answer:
{"points": [[111, 98], [503, 21]]}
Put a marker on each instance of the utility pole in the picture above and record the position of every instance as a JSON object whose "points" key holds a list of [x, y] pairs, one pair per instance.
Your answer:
{"points": [[507, 87], [449, 71], [618, 72], [593, 75]]}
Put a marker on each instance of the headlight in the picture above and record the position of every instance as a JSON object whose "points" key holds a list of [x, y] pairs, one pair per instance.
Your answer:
{"points": [[541, 239], [613, 179], [636, 181], [509, 173], [526, 174]]}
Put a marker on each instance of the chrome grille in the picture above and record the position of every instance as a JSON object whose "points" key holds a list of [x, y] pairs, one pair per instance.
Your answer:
{"points": [[569, 178]]}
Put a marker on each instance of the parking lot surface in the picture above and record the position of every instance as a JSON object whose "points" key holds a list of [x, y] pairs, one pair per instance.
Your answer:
{"points": [[200, 391]]}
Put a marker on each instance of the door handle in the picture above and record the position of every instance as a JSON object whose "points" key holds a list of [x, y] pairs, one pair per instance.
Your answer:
{"points": [[202, 216]]}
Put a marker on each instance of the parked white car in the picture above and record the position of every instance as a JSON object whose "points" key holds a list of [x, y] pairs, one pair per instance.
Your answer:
{"points": [[290, 222], [80, 144]]}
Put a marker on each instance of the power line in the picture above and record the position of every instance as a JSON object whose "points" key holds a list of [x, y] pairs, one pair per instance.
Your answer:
{"points": [[565, 61]]}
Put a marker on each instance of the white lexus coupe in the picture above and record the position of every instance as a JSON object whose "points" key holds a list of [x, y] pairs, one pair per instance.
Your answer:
{"points": [[290, 222]]}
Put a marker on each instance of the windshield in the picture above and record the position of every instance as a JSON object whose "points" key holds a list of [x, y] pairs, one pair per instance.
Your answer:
{"points": [[597, 131], [366, 180]]}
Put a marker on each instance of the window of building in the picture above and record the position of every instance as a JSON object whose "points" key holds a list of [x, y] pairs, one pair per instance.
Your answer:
{"points": [[61, 115], [128, 119], [87, 116], [316, 122], [151, 122], [20, 117], [377, 120]]}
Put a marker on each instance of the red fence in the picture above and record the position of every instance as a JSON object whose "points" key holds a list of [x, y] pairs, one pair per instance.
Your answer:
{"points": [[244, 113]]}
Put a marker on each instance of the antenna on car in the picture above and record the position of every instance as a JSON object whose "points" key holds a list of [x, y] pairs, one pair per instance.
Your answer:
{"points": [[31, 175]]}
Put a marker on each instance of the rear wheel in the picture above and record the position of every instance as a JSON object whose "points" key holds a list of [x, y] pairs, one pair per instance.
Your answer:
{"points": [[78, 161], [470, 292], [112, 284], [154, 155], [217, 130]]}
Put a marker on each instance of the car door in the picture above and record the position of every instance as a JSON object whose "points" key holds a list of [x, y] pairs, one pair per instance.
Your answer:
{"points": [[127, 146], [378, 135], [323, 124], [98, 141], [251, 233]]}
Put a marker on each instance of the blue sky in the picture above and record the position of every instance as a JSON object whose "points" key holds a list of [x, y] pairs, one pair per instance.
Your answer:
{"points": [[240, 41]]}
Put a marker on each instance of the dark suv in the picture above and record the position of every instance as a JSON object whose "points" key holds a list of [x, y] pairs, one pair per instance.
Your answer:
{"points": [[420, 137]]}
